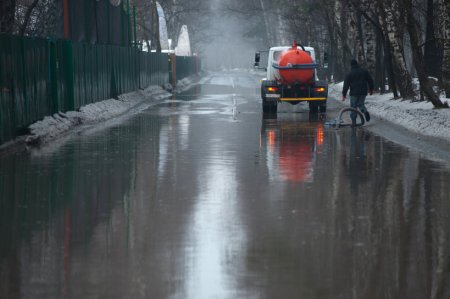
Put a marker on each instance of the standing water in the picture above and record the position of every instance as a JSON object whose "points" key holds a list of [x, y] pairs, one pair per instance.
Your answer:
{"points": [[202, 197]]}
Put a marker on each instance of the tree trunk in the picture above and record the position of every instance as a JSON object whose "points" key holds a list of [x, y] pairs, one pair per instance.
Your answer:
{"points": [[390, 15], [445, 19], [369, 38], [418, 58], [7, 13], [431, 52], [390, 67], [23, 28], [342, 30], [360, 48], [352, 31], [332, 53], [379, 71], [156, 41], [266, 22]]}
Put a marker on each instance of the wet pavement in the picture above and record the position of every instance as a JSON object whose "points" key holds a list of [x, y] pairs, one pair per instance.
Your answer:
{"points": [[202, 197]]}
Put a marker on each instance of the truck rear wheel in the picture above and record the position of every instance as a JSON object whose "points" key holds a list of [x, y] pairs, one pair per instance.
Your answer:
{"points": [[269, 107], [323, 107], [318, 106], [313, 107]]}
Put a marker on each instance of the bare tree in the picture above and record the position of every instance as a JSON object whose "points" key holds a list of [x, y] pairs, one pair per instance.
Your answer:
{"points": [[431, 52], [444, 16], [26, 20], [392, 19], [418, 58], [155, 26], [194, 14], [387, 35], [370, 43]]}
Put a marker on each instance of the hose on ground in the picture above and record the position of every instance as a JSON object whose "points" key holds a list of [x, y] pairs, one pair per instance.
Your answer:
{"points": [[337, 123]]}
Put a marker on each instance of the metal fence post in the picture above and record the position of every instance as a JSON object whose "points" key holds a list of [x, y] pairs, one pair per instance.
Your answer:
{"points": [[24, 113], [173, 69], [134, 26], [68, 55], [128, 23], [122, 24], [53, 69]]}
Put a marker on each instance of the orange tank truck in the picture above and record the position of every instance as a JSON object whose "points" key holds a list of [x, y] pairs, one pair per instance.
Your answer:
{"points": [[292, 77]]}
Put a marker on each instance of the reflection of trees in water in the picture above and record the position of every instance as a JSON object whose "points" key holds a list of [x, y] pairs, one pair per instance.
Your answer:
{"points": [[373, 224], [391, 222], [53, 202]]}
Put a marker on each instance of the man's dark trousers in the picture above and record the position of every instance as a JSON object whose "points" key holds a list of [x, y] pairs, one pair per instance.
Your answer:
{"points": [[357, 102]]}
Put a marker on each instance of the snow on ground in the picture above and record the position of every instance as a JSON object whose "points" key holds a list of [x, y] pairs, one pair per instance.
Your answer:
{"points": [[419, 117], [59, 124]]}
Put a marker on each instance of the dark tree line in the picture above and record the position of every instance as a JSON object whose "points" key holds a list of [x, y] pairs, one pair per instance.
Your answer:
{"points": [[395, 39]]}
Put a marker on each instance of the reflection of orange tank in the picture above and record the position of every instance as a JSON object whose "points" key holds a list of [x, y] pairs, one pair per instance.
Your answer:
{"points": [[289, 63], [293, 149], [295, 160]]}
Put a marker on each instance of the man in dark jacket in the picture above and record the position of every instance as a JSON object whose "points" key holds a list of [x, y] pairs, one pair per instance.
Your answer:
{"points": [[359, 81]]}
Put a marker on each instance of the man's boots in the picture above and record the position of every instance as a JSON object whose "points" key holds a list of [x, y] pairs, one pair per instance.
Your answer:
{"points": [[367, 116]]}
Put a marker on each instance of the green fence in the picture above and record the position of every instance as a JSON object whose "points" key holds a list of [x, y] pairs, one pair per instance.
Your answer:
{"points": [[39, 77], [24, 83], [186, 66]]}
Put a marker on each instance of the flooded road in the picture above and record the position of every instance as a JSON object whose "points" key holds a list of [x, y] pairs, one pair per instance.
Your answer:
{"points": [[201, 197]]}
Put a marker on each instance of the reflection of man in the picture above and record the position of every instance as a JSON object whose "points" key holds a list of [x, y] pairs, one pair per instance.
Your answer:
{"points": [[358, 80], [357, 161]]}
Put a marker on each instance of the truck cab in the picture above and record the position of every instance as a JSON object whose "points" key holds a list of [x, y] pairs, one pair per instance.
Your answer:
{"points": [[274, 89]]}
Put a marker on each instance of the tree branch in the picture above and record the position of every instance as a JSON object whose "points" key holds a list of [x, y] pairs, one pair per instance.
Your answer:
{"points": [[27, 17]]}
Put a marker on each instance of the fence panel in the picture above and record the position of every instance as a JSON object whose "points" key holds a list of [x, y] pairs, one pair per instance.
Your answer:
{"points": [[91, 64], [7, 110], [186, 66], [39, 77], [153, 69], [24, 83]]}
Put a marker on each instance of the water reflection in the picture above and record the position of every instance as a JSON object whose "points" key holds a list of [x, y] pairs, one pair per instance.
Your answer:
{"points": [[213, 235], [357, 160], [180, 205], [292, 144], [370, 224], [51, 204]]}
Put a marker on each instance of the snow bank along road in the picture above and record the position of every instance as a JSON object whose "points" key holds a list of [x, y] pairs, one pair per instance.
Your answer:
{"points": [[418, 117]]}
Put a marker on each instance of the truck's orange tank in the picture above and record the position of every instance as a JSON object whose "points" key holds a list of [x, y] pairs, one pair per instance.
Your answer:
{"points": [[296, 66]]}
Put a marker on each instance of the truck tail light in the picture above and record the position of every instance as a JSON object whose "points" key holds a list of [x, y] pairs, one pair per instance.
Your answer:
{"points": [[319, 89], [272, 89]]}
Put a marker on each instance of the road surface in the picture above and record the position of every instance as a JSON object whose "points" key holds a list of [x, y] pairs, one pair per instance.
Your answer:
{"points": [[199, 196]]}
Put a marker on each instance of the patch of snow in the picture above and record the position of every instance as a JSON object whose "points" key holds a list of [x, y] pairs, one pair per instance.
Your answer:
{"points": [[59, 124], [418, 117], [186, 83]]}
